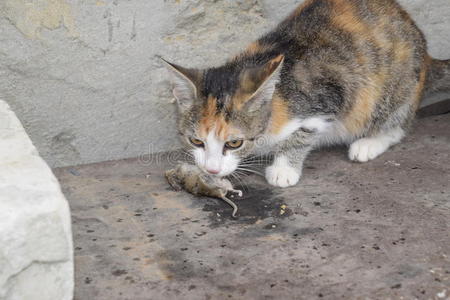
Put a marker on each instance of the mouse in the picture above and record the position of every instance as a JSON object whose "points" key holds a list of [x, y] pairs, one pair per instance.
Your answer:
{"points": [[195, 181]]}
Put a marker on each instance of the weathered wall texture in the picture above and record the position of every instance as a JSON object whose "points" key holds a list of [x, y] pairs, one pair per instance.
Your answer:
{"points": [[83, 78]]}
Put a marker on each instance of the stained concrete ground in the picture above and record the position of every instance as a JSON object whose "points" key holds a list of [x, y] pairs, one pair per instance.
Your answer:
{"points": [[379, 230]]}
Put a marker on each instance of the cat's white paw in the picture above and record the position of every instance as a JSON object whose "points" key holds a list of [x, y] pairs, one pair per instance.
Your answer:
{"points": [[281, 174], [367, 149]]}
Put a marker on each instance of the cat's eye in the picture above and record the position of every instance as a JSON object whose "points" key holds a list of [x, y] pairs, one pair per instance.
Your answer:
{"points": [[233, 145], [196, 142]]}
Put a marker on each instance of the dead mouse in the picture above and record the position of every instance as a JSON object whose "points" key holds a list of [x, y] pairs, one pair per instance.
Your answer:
{"points": [[194, 181]]}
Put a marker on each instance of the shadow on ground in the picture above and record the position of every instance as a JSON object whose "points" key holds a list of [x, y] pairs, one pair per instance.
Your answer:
{"points": [[258, 203]]}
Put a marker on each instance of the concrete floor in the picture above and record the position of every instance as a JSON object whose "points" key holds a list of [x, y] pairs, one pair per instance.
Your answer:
{"points": [[350, 231]]}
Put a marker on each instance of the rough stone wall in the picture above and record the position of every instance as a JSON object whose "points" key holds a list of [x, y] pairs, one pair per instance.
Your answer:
{"points": [[83, 78]]}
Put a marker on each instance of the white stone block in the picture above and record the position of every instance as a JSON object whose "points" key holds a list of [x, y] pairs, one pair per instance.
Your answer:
{"points": [[36, 256]]}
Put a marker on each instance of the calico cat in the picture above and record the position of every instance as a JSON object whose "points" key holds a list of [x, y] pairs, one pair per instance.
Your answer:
{"points": [[333, 72]]}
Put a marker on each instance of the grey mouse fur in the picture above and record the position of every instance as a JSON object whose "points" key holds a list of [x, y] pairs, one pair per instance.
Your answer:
{"points": [[194, 181]]}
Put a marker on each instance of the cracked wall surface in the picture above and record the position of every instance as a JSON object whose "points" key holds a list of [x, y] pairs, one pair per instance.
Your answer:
{"points": [[83, 77]]}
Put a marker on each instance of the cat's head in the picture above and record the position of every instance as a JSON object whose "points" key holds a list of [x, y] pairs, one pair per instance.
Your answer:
{"points": [[223, 110]]}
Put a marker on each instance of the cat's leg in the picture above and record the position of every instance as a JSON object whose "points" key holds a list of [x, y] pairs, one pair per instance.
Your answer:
{"points": [[368, 148], [286, 169], [290, 154]]}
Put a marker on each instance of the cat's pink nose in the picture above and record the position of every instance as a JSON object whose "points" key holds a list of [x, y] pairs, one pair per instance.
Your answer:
{"points": [[213, 171]]}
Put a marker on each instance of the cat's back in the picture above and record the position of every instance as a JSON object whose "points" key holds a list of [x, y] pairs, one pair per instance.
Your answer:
{"points": [[316, 23], [357, 59]]}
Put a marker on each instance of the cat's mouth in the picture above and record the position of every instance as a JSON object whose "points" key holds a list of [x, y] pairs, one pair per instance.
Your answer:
{"points": [[219, 174]]}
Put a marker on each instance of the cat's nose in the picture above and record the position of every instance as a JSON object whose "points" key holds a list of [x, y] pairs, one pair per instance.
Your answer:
{"points": [[213, 171]]}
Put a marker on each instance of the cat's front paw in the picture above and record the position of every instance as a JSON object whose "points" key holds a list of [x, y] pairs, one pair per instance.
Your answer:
{"points": [[366, 149], [282, 175]]}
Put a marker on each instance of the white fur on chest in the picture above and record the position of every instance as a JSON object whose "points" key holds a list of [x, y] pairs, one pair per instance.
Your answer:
{"points": [[314, 124], [327, 132], [317, 125]]}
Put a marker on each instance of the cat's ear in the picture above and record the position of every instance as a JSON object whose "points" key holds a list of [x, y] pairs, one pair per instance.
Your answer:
{"points": [[185, 84], [258, 84]]}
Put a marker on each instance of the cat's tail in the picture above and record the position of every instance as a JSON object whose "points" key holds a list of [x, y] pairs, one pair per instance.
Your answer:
{"points": [[438, 78]]}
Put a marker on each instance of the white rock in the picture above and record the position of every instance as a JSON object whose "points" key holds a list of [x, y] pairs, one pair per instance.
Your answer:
{"points": [[36, 257]]}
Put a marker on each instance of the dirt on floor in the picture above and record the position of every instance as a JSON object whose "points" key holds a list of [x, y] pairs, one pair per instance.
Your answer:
{"points": [[379, 230]]}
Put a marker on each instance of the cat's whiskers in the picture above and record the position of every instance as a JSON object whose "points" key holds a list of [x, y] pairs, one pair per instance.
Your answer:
{"points": [[187, 155], [250, 166], [256, 160], [250, 171], [241, 183], [251, 163]]}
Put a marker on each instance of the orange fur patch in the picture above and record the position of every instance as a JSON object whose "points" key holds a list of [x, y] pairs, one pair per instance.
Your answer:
{"points": [[273, 64], [402, 51], [280, 115], [380, 38], [239, 99], [345, 18], [365, 101], [211, 120], [223, 128], [208, 115]]}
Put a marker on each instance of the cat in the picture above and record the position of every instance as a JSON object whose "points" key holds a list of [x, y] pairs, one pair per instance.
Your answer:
{"points": [[347, 72]]}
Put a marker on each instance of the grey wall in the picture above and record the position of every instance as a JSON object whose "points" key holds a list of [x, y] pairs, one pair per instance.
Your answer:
{"points": [[83, 78]]}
